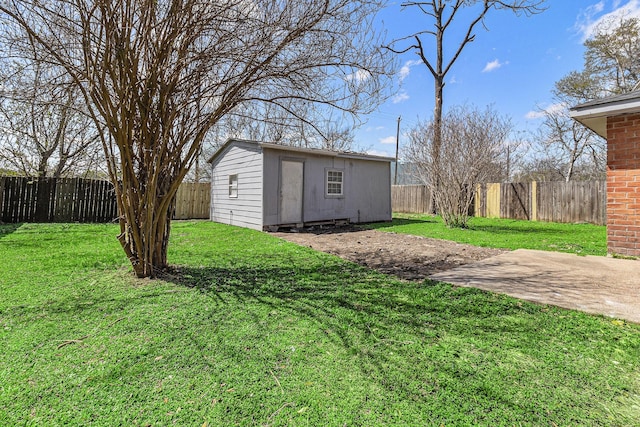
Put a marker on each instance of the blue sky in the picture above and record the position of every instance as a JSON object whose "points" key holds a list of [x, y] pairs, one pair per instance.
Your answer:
{"points": [[512, 66]]}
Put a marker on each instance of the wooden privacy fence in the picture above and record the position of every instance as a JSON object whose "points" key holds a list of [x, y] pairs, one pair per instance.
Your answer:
{"points": [[82, 200], [56, 200], [577, 201], [411, 199], [193, 200]]}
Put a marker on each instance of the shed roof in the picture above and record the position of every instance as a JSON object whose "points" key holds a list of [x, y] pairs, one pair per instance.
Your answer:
{"points": [[593, 114], [315, 151]]}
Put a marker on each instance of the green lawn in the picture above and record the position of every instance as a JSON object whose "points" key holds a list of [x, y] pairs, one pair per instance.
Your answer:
{"points": [[583, 239], [258, 331]]}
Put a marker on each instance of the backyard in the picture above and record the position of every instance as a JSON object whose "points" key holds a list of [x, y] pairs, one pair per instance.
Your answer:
{"points": [[416, 246], [252, 330]]}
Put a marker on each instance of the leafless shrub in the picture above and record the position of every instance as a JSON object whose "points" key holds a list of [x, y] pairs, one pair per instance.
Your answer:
{"points": [[472, 147]]}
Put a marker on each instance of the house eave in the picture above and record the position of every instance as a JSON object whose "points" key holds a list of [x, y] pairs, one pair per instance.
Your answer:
{"points": [[594, 115]]}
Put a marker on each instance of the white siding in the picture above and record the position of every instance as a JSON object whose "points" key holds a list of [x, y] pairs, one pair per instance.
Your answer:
{"points": [[245, 160]]}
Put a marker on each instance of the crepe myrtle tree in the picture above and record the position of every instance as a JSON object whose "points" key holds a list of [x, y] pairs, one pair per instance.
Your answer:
{"points": [[160, 73], [473, 147]]}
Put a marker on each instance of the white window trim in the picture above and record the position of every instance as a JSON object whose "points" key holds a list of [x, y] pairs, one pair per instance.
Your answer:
{"points": [[327, 182], [233, 186]]}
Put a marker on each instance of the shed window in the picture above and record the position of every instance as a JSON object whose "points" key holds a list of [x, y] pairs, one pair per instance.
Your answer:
{"points": [[233, 186], [334, 183]]}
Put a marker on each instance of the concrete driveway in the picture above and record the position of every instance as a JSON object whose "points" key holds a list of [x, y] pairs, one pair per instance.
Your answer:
{"points": [[599, 285]]}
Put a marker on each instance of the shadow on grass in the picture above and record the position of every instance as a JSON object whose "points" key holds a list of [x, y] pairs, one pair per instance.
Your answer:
{"points": [[412, 339], [6, 229], [382, 322], [338, 286]]}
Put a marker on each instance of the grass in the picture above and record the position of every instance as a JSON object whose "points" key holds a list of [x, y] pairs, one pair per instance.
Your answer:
{"points": [[258, 331], [582, 239]]}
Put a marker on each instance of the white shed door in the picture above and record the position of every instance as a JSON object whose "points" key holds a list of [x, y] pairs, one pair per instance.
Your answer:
{"points": [[291, 182]]}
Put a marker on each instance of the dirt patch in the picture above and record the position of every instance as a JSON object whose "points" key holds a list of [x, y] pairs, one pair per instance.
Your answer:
{"points": [[402, 255]]}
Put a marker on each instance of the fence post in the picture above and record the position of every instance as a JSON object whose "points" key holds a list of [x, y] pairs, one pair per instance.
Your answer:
{"points": [[2, 179], [534, 201]]}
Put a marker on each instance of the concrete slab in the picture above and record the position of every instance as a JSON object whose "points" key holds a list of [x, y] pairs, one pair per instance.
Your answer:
{"points": [[599, 285]]}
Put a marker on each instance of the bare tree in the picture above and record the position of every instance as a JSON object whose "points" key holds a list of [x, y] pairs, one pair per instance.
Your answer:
{"points": [[44, 128], [161, 73], [611, 55], [316, 127], [567, 148], [473, 145], [544, 167], [442, 14], [570, 144]]}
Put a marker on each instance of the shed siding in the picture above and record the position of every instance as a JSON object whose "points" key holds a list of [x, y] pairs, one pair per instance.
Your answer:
{"points": [[369, 188], [245, 160], [366, 191]]}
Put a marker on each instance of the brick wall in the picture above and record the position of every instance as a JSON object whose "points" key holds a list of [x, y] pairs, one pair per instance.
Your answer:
{"points": [[623, 184]]}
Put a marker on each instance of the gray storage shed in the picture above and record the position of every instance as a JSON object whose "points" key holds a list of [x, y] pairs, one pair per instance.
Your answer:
{"points": [[264, 186]]}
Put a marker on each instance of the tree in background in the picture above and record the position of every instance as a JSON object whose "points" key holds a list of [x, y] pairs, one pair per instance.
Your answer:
{"points": [[612, 58], [44, 128], [317, 126], [443, 15], [272, 125], [160, 74], [473, 150], [567, 149]]}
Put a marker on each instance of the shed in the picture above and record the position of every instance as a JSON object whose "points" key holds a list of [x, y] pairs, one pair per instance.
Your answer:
{"points": [[617, 118], [264, 186]]}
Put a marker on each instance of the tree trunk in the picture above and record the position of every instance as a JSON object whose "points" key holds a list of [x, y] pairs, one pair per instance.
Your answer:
{"points": [[437, 139], [145, 224]]}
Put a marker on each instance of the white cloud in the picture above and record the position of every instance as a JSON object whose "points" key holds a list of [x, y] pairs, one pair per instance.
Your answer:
{"points": [[589, 19], [493, 65], [400, 97], [534, 114], [540, 113], [359, 76], [406, 69], [388, 140]]}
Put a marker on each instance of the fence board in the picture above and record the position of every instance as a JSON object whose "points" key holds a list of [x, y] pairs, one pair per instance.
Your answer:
{"points": [[2, 181], [480, 200], [576, 201], [82, 200], [493, 200], [515, 200], [411, 199], [192, 201], [45, 189], [572, 201], [55, 200]]}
